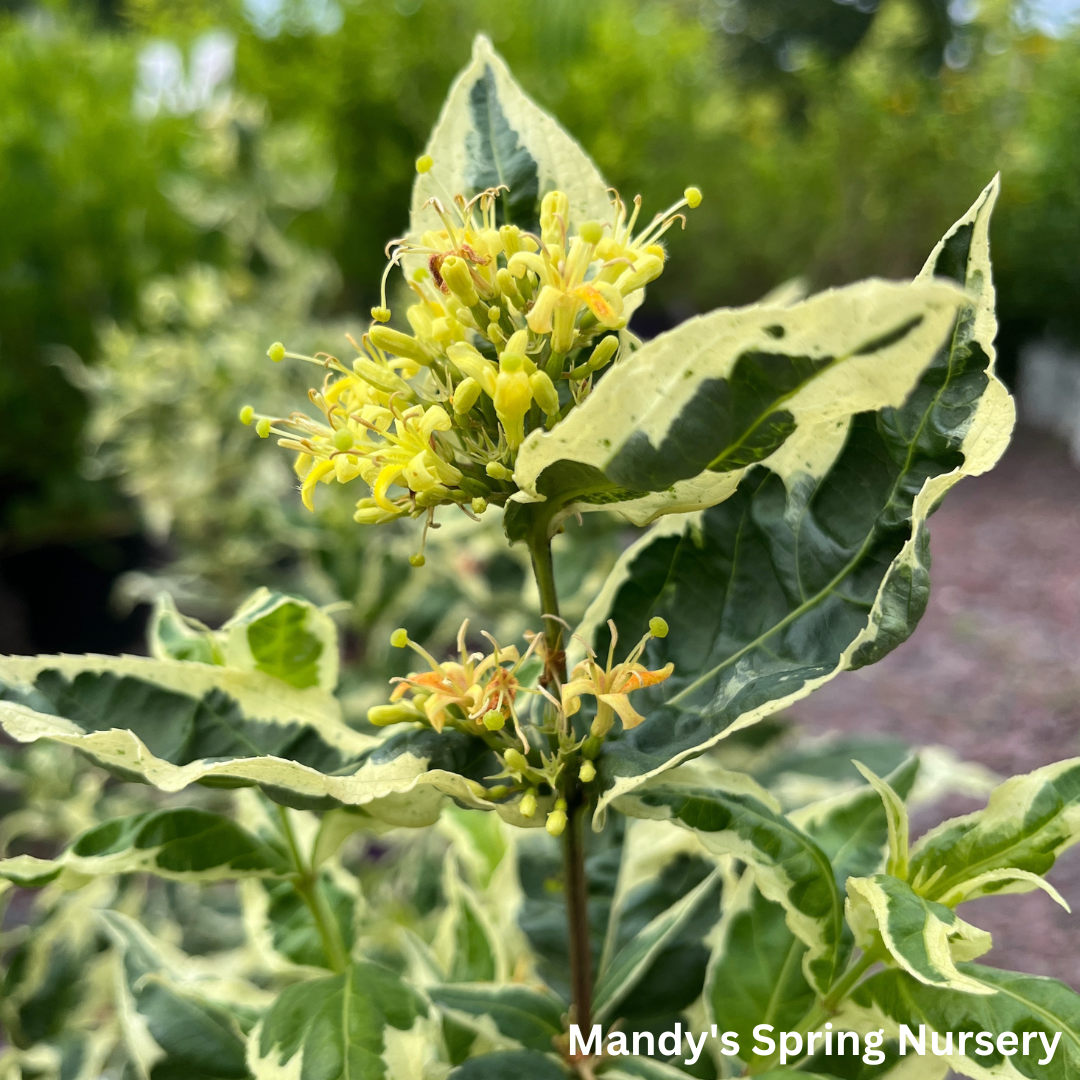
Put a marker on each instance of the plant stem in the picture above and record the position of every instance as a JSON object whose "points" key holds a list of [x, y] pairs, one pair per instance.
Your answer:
{"points": [[306, 884], [577, 888]]}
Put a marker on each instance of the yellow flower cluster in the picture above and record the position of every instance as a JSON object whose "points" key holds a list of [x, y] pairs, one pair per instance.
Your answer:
{"points": [[509, 330]]}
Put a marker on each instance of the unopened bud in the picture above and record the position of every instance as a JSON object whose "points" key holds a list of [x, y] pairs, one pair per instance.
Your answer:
{"points": [[497, 471], [382, 715], [587, 772], [554, 213], [394, 341], [494, 313], [601, 356], [511, 238], [469, 362], [527, 806], [658, 627], [479, 504], [647, 268], [516, 760], [455, 272], [497, 791], [247, 414], [507, 286], [399, 638], [465, 395], [556, 820], [543, 389]]}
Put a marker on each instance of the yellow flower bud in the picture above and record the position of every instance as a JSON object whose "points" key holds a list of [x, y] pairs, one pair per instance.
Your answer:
{"points": [[554, 216], [511, 238], [382, 715], [276, 352], [455, 272], [469, 362], [262, 428], [497, 471], [505, 280], [478, 504], [516, 760], [424, 163], [527, 806], [587, 772], [543, 389], [647, 268], [465, 395], [494, 313], [556, 821], [394, 341], [658, 627], [380, 314], [247, 414], [513, 396], [399, 638], [692, 195]]}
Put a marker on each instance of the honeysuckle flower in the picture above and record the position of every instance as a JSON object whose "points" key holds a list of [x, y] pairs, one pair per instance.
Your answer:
{"points": [[613, 684], [481, 689]]}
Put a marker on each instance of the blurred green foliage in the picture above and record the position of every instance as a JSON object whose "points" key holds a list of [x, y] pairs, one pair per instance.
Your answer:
{"points": [[832, 140]]}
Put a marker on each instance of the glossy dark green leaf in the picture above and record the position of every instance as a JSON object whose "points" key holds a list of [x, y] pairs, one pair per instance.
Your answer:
{"points": [[530, 1017], [510, 1065]]}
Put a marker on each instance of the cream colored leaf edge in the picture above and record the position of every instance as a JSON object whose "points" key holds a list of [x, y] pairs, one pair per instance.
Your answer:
{"points": [[260, 696], [771, 879], [649, 390], [561, 162], [869, 908], [982, 447]]}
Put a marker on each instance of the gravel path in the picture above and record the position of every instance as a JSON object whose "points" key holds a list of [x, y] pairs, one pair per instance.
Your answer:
{"points": [[993, 670]]}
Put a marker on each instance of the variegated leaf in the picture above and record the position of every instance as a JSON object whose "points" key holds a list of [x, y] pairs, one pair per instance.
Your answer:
{"points": [[790, 869], [176, 1026], [1027, 823], [171, 723], [1014, 1003], [184, 844], [817, 562], [532, 1018], [466, 945], [925, 938], [335, 1028], [633, 960], [489, 134], [676, 426], [756, 970]]}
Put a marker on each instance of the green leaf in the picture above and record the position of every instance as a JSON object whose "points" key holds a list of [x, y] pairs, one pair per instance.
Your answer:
{"points": [[790, 869], [817, 563], [923, 937], [756, 972], [896, 816], [172, 723], [852, 828], [293, 932], [675, 426], [334, 1028], [185, 844], [628, 965], [172, 1028], [531, 1017], [649, 1069], [284, 636], [173, 636], [1028, 821], [1015, 1003], [491, 133], [510, 1065]]}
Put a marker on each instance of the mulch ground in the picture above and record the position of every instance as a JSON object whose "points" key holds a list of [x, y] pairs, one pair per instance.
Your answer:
{"points": [[993, 669]]}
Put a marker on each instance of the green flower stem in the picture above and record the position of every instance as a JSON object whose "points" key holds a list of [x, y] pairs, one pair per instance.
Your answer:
{"points": [[577, 889], [307, 886]]}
